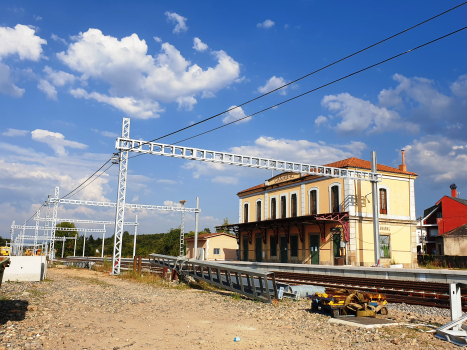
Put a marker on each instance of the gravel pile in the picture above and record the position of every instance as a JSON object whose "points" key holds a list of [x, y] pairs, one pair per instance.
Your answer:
{"points": [[420, 309]]}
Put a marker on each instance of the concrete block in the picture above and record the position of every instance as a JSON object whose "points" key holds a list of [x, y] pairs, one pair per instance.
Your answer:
{"points": [[26, 268]]}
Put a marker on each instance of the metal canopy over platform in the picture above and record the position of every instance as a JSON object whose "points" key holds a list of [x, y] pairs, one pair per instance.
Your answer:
{"points": [[283, 225]]}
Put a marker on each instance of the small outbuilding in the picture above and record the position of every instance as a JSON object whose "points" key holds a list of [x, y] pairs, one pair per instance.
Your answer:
{"points": [[453, 242], [213, 246]]}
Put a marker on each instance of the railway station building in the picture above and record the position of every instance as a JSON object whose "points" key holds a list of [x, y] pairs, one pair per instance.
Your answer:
{"points": [[309, 219]]}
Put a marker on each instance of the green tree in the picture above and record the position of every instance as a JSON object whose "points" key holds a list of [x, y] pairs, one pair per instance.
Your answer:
{"points": [[69, 243], [3, 241], [226, 222]]}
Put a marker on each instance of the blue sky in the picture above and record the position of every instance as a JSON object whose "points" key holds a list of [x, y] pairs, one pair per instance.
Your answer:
{"points": [[69, 73]]}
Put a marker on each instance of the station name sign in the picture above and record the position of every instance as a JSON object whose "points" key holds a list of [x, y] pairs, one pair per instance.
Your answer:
{"points": [[284, 177]]}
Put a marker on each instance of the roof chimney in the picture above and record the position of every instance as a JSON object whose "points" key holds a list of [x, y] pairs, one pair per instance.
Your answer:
{"points": [[453, 188], [403, 167]]}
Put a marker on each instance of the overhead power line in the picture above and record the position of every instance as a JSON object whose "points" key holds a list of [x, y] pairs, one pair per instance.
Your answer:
{"points": [[309, 74], [98, 176], [322, 86], [82, 183]]}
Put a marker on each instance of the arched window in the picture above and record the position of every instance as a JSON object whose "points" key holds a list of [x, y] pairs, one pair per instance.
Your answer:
{"points": [[273, 208], [283, 207], [383, 201], [245, 213], [293, 205], [258, 211], [313, 202], [335, 199]]}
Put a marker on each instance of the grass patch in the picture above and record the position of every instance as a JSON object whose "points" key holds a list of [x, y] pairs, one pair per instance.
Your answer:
{"points": [[36, 293], [236, 296], [106, 266], [47, 280], [93, 280], [151, 279]]}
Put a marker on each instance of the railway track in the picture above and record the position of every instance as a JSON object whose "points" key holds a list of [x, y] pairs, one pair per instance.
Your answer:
{"points": [[408, 292]]}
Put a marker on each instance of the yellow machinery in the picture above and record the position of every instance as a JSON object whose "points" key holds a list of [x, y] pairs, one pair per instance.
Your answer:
{"points": [[30, 252], [345, 302], [5, 251]]}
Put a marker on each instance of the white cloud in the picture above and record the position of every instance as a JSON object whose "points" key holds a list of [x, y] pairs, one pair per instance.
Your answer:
{"points": [[187, 103], [359, 115], [437, 159], [109, 134], [55, 37], [272, 84], [321, 120], [135, 199], [143, 109], [131, 73], [157, 39], [56, 141], [15, 132], [21, 40], [459, 87], [228, 180], [169, 182], [418, 89], [179, 20], [172, 204], [27, 176], [37, 18], [316, 153], [235, 114], [7, 86], [208, 94], [299, 150], [48, 89], [266, 24], [198, 45], [59, 78]]}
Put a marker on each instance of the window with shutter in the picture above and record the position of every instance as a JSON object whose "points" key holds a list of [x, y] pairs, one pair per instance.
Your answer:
{"points": [[283, 207], [273, 208], [335, 198], [293, 205], [313, 209], [383, 201]]}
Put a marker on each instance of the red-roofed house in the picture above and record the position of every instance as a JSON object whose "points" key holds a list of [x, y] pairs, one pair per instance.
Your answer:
{"points": [[442, 221], [213, 246], [322, 220]]}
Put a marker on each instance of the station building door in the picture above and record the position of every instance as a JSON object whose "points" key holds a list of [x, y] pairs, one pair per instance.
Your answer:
{"points": [[259, 248], [314, 249], [245, 247], [283, 249]]}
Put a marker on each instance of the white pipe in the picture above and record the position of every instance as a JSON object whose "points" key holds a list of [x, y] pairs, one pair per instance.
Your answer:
{"points": [[134, 242], [196, 230]]}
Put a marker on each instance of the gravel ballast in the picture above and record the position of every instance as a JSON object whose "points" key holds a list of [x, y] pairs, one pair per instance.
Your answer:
{"points": [[82, 309]]}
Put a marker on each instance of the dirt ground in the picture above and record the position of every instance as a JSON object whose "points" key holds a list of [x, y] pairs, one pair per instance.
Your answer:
{"points": [[82, 309]]}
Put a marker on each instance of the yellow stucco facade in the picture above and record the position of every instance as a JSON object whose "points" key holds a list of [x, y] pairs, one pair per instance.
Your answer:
{"points": [[303, 236]]}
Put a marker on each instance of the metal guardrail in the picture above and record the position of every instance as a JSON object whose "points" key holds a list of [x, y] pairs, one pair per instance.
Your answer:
{"points": [[255, 284]]}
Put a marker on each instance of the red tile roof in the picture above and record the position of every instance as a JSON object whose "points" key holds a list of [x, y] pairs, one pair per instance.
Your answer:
{"points": [[208, 235], [365, 164], [348, 163]]}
